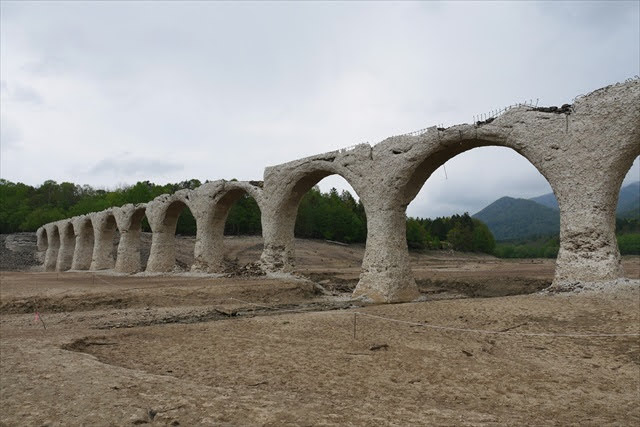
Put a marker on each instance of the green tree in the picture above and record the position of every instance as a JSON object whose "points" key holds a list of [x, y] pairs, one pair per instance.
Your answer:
{"points": [[629, 244], [417, 236], [461, 238], [483, 240]]}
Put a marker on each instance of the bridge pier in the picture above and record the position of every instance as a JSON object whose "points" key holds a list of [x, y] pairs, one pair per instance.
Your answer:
{"points": [[83, 252], [162, 257], [386, 273], [208, 251], [104, 227], [162, 214], [279, 244], [53, 244], [588, 245], [67, 246], [128, 255], [129, 222]]}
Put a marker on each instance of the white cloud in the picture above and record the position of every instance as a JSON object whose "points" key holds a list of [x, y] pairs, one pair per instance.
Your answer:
{"points": [[214, 90]]}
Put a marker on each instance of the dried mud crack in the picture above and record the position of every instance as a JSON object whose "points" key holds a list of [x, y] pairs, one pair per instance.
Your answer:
{"points": [[151, 317]]}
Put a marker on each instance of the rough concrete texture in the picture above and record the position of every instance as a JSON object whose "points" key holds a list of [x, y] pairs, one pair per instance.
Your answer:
{"points": [[584, 150], [67, 246], [212, 202], [41, 244], [104, 228], [83, 229], [53, 244], [210, 205], [162, 214], [129, 222]]}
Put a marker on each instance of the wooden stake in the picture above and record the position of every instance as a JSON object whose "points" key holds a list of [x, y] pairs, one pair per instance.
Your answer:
{"points": [[40, 318]]}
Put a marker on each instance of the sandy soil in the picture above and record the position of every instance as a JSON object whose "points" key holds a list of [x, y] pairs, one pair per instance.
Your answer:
{"points": [[188, 350]]}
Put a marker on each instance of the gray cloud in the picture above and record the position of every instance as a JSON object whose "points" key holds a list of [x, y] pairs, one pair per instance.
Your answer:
{"points": [[125, 164], [25, 94], [599, 18], [10, 135], [221, 90]]}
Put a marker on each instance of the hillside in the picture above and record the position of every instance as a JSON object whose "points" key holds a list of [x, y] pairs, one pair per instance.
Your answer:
{"points": [[628, 201], [548, 200], [510, 218]]}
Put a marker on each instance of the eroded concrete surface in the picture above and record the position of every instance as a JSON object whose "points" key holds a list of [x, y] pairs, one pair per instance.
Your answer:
{"points": [[583, 150]]}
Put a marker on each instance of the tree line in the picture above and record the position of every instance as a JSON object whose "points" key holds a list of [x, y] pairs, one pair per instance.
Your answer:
{"points": [[547, 246], [331, 216], [458, 232]]}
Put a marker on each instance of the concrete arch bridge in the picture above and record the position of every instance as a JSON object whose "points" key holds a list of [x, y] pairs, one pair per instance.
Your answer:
{"points": [[584, 151]]}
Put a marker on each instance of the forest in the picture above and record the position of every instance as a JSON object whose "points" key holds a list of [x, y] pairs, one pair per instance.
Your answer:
{"points": [[331, 216], [547, 246]]}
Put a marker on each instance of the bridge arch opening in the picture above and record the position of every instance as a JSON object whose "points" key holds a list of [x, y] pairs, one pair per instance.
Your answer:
{"points": [[55, 237], [236, 213], [180, 226], [474, 202], [322, 206], [331, 210], [628, 217]]}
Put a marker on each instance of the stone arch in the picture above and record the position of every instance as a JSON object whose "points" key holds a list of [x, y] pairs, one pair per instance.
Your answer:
{"points": [[285, 185], [67, 245], [41, 243], [209, 249], [83, 254], [430, 162], [433, 162], [575, 148], [53, 245], [104, 234], [583, 150], [129, 221], [163, 213], [412, 159]]}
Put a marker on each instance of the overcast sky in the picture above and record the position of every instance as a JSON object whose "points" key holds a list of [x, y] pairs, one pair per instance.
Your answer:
{"points": [[112, 93]]}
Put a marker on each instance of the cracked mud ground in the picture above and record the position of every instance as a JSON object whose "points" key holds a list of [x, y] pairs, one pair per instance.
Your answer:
{"points": [[182, 350]]}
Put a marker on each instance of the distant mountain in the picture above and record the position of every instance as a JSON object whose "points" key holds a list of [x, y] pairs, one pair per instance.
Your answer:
{"points": [[548, 200], [628, 201], [510, 218]]}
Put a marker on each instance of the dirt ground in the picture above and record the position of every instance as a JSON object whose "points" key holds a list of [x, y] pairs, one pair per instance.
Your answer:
{"points": [[482, 347]]}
